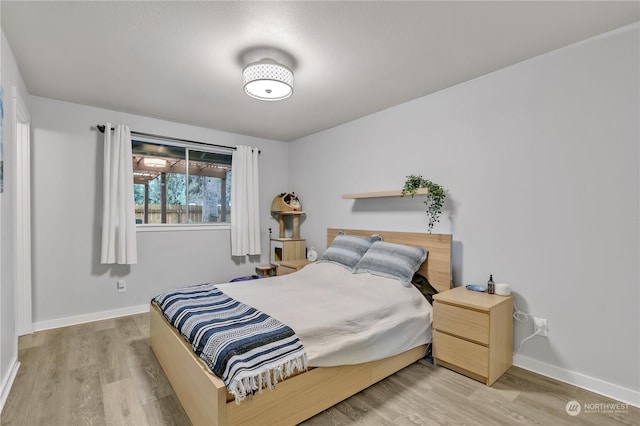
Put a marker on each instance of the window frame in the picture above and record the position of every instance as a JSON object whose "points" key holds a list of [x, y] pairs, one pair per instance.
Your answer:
{"points": [[177, 227]]}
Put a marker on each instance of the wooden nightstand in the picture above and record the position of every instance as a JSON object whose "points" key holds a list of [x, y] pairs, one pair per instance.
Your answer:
{"points": [[473, 333], [289, 266]]}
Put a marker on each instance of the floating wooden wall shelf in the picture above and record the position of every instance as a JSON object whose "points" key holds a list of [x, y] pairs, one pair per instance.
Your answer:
{"points": [[381, 194]]}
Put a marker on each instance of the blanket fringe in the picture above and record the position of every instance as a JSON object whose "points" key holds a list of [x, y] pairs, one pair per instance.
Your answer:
{"points": [[243, 386]]}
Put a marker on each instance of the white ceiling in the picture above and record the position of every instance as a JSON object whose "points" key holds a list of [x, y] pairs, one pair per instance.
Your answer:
{"points": [[181, 61]]}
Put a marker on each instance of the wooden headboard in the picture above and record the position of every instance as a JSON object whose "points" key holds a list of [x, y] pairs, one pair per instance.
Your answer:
{"points": [[437, 267]]}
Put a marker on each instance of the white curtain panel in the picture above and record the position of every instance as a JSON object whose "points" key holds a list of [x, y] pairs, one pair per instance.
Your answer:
{"points": [[245, 190], [118, 214]]}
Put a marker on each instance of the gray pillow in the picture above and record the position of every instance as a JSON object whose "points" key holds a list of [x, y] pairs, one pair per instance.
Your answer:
{"points": [[391, 260], [347, 250]]}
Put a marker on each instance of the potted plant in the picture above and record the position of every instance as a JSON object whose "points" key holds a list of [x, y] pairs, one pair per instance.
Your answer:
{"points": [[435, 197]]}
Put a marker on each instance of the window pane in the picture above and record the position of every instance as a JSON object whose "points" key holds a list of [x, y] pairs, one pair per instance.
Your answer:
{"points": [[209, 187], [160, 184]]}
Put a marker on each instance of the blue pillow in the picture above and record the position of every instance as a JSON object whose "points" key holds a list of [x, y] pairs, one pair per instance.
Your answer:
{"points": [[391, 260], [347, 250]]}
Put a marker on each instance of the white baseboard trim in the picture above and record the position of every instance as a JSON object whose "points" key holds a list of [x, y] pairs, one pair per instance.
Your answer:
{"points": [[619, 393], [8, 382], [96, 316]]}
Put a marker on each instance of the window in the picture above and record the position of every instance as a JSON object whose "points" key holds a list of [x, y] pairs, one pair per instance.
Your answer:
{"points": [[180, 184]]}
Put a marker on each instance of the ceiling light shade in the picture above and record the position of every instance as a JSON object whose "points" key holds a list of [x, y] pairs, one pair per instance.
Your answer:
{"points": [[267, 80]]}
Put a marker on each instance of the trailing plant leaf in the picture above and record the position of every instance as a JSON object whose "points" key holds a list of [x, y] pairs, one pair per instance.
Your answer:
{"points": [[412, 184], [435, 197]]}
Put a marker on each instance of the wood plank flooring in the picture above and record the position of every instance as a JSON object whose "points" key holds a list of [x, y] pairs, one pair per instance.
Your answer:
{"points": [[104, 373]]}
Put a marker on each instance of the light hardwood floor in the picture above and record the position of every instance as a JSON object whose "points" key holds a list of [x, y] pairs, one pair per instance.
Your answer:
{"points": [[104, 373]]}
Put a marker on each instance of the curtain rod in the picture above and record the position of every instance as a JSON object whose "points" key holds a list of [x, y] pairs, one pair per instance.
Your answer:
{"points": [[101, 128]]}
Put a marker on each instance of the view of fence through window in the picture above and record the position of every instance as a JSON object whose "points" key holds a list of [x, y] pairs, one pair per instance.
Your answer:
{"points": [[178, 184]]}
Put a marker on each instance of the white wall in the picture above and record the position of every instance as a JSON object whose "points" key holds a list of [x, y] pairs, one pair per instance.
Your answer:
{"points": [[540, 161], [10, 78], [68, 279]]}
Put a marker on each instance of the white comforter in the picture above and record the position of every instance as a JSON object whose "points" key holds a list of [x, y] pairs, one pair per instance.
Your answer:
{"points": [[341, 318]]}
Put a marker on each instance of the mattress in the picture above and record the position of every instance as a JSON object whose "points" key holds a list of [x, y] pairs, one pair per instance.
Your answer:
{"points": [[341, 318]]}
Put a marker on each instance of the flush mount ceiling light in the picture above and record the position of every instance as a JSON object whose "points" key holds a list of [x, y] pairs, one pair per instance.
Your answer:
{"points": [[267, 80]]}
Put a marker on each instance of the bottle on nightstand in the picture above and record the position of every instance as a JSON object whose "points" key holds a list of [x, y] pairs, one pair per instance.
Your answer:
{"points": [[491, 286]]}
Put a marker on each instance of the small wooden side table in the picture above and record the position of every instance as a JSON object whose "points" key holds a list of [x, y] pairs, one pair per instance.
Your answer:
{"points": [[265, 270], [473, 333]]}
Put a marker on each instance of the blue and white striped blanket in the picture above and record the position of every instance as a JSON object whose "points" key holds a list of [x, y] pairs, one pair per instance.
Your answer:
{"points": [[243, 346]]}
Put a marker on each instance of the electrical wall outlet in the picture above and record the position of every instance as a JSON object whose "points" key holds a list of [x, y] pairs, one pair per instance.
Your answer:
{"points": [[121, 285], [540, 326]]}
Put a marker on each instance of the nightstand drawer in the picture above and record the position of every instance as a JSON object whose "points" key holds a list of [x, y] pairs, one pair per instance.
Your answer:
{"points": [[284, 270], [472, 325], [462, 353], [289, 266]]}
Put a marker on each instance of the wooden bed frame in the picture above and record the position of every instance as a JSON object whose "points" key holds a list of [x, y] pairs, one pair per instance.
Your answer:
{"points": [[207, 402]]}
